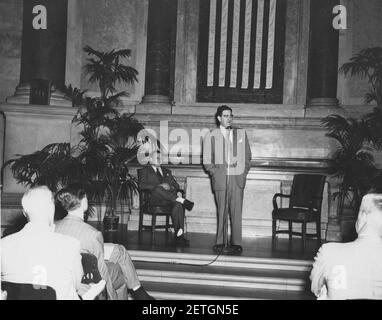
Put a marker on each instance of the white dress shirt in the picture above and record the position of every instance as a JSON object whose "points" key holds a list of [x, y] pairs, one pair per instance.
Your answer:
{"points": [[157, 169], [229, 149], [38, 255], [224, 133], [350, 270]]}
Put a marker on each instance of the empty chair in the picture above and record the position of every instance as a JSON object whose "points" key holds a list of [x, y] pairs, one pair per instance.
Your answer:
{"points": [[305, 202]]}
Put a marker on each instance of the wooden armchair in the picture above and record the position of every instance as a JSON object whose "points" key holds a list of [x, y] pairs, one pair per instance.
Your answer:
{"points": [[154, 211], [145, 207], [304, 206]]}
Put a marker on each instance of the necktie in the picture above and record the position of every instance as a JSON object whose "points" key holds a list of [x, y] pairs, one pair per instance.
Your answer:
{"points": [[160, 177]]}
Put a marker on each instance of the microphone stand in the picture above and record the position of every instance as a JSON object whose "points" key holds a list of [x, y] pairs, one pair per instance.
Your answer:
{"points": [[226, 249]]}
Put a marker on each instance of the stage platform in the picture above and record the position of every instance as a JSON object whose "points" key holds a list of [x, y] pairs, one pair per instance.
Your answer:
{"points": [[197, 273]]}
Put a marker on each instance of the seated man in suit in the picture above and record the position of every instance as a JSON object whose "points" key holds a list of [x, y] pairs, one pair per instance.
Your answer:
{"points": [[164, 190], [353, 270], [73, 199], [39, 256]]}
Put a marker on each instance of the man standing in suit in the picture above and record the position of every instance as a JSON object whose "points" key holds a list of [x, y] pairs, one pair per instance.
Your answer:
{"points": [[353, 270], [164, 191], [227, 159]]}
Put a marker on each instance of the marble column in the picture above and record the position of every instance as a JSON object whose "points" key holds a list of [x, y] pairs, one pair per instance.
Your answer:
{"points": [[323, 55], [43, 52], [160, 52]]}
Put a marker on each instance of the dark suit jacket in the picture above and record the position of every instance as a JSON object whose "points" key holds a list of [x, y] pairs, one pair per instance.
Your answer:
{"points": [[215, 163], [148, 179]]}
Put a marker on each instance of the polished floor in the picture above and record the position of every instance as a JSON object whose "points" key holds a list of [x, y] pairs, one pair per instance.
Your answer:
{"points": [[201, 243]]}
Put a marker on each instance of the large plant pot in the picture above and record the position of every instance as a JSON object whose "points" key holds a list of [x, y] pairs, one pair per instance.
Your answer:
{"points": [[110, 223]]}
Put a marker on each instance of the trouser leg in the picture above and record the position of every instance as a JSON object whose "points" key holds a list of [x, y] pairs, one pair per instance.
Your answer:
{"points": [[116, 274], [161, 196], [235, 208], [122, 257], [220, 202], [178, 216]]}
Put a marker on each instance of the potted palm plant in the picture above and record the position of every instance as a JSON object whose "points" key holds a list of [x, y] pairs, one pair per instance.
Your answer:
{"points": [[353, 160], [358, 139], [108, 140], [108, 145]]}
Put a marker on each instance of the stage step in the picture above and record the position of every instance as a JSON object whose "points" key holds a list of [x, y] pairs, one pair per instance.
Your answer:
{"points": [[200, 292], [169, 275]]}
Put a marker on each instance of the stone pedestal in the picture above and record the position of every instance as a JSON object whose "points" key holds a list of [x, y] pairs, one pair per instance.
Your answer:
{"points": [[29, 128]]}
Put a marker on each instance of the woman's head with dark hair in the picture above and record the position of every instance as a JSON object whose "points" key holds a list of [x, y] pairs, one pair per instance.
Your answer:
{"points": [[70, 197]]}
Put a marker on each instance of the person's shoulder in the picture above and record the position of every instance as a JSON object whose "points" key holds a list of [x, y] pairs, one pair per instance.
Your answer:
{"points": [[239, 129], [166, 170], [213, 133], [76, 224], [66, 241], [90, 228], [67, 223], [9, 239], [144, 168], [333, 248]]}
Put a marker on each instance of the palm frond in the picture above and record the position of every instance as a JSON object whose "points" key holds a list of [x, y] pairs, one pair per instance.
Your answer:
{"points": [[108, 70]]}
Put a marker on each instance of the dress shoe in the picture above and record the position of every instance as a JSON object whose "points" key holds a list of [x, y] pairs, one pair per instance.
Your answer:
{"points": [[188, 204], [181, 241], [218, 248], [237, 248], [141, 294]]}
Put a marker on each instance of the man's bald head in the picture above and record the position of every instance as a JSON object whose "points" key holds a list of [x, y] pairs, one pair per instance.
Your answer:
{"points": [[38, 205], [370, 215]]}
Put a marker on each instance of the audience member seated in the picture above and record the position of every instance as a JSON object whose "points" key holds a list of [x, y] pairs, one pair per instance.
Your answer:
{"points": [[353, 270], [39, 256], [165, 191], [73, 199]]}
